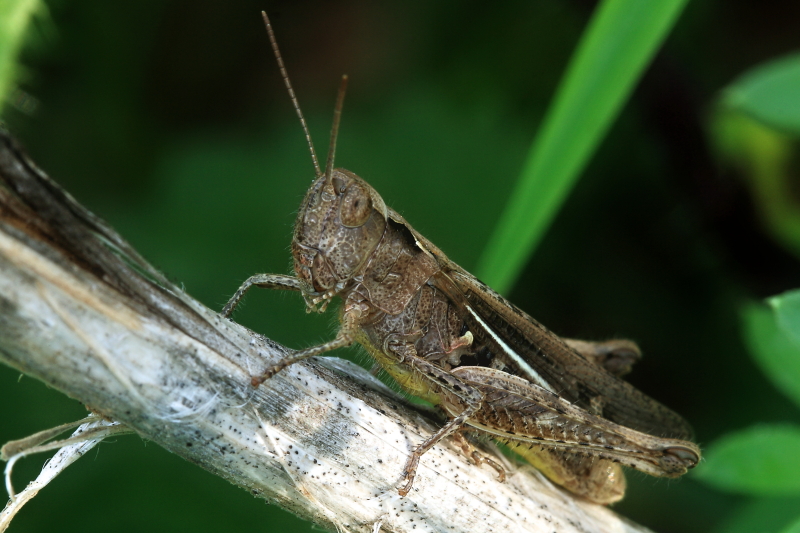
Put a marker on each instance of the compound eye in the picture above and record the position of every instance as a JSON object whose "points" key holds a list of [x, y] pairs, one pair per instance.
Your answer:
{"points": [[338, 184], [356, 206]]}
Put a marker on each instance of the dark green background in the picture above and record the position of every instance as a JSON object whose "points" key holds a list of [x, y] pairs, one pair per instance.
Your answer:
{"points": [[169, 120]]}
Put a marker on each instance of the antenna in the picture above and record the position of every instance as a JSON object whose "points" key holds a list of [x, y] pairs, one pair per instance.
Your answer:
{"points": [[337, 117], [288, 84]]}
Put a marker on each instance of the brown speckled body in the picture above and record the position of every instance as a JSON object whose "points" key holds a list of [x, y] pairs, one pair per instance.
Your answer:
{"points": [[449, 339]]}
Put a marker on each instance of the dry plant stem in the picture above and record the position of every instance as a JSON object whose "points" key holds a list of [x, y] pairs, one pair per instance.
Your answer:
{"points": [[19, 449], [25, 445], [86, 437], [81, 311]]}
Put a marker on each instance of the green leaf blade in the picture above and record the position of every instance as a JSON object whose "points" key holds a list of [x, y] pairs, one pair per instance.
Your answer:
{"points": [[621, 39], [793, 528], [770, 93], [761, 460], [787, 308], [767, 514], [775, 351]]}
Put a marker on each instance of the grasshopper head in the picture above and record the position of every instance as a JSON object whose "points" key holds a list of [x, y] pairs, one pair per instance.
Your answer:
{"points": [[340, 223], [341, 219]]}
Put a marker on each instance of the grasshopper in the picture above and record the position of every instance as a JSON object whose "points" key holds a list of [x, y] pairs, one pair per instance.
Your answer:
{"points": [[449, 339]]}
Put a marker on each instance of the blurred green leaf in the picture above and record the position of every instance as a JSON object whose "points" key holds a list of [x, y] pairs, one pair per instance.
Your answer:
{"points": [[793, 528], [761, 460], [755, 129], [770, 93], [621, 39], [787, 308], [15, 17], [765, 514], [773, 349], [764, 157]]}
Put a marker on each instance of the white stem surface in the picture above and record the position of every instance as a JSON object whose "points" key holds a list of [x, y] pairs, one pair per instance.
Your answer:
{"points": [[322, 439]]}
